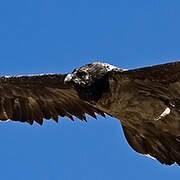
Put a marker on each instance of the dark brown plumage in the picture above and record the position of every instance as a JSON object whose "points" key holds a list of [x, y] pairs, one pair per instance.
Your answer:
{"points": [[145, 100], [33, 98]]}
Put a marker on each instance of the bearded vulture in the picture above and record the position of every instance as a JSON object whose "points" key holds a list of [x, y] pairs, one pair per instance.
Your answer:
{"points": [[145, 100]]}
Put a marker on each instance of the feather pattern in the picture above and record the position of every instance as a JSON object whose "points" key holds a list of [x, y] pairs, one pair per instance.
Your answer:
{"points": [[145, 100], [34, 98]]}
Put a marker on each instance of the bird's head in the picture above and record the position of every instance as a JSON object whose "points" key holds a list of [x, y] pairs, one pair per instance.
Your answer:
{"points": [[91, 80], [86, 75]]}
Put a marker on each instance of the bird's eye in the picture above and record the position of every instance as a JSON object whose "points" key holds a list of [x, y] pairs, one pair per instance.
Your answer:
{"points": [[81, 74]]}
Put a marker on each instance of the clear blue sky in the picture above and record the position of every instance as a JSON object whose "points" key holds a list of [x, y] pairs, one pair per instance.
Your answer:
{"points": [[56, 36]]}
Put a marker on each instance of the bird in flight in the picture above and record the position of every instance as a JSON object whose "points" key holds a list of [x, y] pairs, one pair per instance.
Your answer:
{"points": [[145, 100]]}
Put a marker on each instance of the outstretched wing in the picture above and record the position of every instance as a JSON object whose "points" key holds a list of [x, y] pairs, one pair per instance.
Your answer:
{"points": [[34, 98], [163, 73], [157, 102]]}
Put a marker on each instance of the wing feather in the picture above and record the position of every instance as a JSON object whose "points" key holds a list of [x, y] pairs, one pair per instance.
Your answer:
{"points": [[34, 98], [163, 73], [149, 89]]}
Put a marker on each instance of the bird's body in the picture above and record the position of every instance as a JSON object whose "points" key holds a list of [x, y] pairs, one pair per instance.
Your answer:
{"points": [[145, 100]]}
